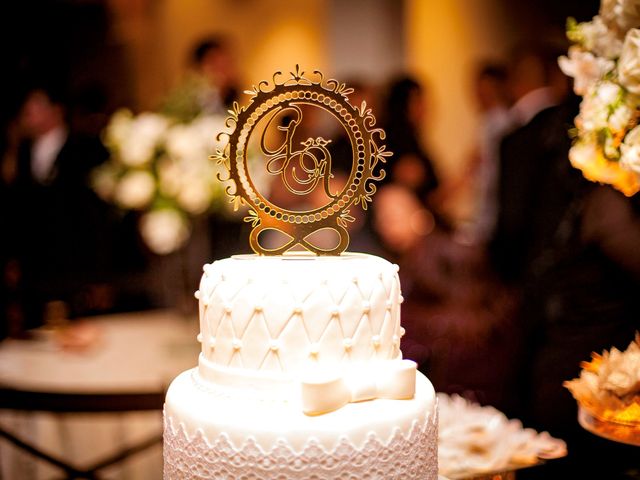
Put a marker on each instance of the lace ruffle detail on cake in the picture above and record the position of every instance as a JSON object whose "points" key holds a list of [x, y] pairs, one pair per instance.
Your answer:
{"points": [[411, 457]]}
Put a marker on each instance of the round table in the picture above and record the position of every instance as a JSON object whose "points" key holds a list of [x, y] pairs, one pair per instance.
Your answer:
{"points": [[54, 402]]}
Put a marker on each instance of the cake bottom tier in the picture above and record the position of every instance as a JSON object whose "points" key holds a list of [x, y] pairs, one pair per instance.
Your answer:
{"points": [[210, 434]]}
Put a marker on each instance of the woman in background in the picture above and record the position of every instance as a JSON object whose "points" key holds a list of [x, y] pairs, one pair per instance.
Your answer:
{"points": [[404, 117], [455, 314]]}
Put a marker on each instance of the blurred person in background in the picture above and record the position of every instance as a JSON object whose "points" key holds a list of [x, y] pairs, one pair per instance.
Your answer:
{"points": [[568, 247], [88, 110], [455, 312], [214, 60], [536, 84], [579, 278], [492, 100], [457, 316], [59, 235], [406, 108], [211, 86]]}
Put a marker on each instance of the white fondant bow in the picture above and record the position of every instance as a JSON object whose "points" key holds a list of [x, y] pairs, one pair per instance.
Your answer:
{"points": [[393, 379]]}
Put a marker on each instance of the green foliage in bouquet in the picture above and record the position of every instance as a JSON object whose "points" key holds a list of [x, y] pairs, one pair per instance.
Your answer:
{"points": [[184, 103]]}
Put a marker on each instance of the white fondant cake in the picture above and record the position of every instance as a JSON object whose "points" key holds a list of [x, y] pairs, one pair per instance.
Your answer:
{"points": [[300, 376]]}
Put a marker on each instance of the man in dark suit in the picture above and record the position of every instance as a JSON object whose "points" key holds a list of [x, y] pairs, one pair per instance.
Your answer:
{"points": [[58, 236], [570, 248], [536, 84]]}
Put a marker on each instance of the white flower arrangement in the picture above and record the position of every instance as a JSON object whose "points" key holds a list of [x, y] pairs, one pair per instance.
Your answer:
{"points": [[604, 62], [479, 441], [160, 167]]}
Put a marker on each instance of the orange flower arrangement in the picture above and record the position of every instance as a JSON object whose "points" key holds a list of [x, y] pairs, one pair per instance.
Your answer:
{"points": [[608, 392]]}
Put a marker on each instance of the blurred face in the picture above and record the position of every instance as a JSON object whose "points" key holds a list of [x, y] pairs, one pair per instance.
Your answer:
{"points": [[527, 75], [39, 115], [417, 107], [489, 93], [217, 66]]}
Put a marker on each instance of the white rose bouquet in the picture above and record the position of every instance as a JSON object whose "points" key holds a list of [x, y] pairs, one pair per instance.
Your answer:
{"points": [[604, 62], [160, 167]]}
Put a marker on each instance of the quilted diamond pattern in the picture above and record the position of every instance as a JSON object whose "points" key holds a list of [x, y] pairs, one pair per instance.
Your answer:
{"points": [[331, 344], [256, 334], [316, 312], [294, 341], [363, 345], [351, 310], [279, 309], [275, 315], [224, 350]]}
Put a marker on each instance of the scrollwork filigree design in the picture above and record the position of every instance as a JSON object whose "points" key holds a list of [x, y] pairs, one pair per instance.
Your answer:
{"points": [[305, 165]]}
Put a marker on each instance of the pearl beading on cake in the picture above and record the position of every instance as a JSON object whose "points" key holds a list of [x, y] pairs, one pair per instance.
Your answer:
{"points": [[314, 350], [247, 326]]}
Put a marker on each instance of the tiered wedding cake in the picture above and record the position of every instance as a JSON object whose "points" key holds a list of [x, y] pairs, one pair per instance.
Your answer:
{"points": [[301, 374]]}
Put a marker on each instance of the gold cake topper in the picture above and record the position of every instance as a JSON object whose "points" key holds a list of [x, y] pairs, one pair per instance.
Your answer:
{"points": [[288, 98]]}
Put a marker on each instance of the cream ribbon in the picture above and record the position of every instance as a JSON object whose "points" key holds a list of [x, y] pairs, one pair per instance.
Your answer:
{"points": [[393, 379]]}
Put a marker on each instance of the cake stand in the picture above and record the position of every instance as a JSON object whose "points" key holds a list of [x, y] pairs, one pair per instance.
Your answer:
{"points": [[617, 431]]}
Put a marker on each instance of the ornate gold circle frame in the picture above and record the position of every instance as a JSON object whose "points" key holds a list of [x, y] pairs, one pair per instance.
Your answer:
{"points": [[367, 150]]}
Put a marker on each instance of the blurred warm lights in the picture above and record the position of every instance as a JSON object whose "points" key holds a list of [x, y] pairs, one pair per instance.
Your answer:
{"points": [[284, 45]]}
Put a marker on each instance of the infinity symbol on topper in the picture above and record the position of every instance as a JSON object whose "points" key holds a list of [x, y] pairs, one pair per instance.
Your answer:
{"points": [[303, 166]]}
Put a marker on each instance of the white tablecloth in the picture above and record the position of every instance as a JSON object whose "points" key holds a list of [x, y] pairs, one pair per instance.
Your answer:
{"points": [[135, 353]]}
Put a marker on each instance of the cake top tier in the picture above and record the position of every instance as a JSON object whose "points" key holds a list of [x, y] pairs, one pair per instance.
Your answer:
{"points": [[275, 126], [284, 314]]}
